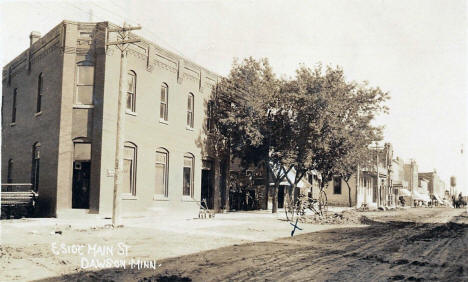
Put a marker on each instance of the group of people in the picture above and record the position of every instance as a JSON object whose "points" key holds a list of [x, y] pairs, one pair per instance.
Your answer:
{"points": [[458, 202], [243, 199]]}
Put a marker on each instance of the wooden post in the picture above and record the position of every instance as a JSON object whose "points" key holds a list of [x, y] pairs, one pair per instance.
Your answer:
{"points": [[122, 44]]}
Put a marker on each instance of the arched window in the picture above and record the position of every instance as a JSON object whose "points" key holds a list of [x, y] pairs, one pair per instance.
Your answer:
{"points": [[36, 157], [190, 101], [163, 108], [13, 106], [84, 83], [189, 162], [129, 169], [131, 91], [10, 171], [162, 172], [40, 88]]}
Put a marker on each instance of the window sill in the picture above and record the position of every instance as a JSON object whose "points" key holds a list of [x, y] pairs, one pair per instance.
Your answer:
{"points": [[78, 106], [190, 128], [158, 197], [130, 113], [12, 124], [164, 121], [38, 114], [188, 199], [128, 197]]}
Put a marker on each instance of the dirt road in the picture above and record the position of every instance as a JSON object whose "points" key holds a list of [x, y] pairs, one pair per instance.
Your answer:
{"points": [[411, 245]]}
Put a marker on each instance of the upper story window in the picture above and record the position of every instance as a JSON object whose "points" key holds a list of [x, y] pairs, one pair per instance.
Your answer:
{"points": [[13, 106], [129, 169], [40, 89], [163, 108], [131, 91], [84, 83], [209, 116], [162, 165], [190, 99]]}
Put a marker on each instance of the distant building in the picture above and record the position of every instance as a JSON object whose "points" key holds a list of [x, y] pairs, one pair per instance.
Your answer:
{"points": [[370, 186], [400, 185], [436, 186], [411, 175]]}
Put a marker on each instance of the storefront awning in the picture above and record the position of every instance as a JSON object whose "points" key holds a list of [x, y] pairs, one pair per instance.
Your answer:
{"points": [[404, 192], [421, 197], [289, 178]]}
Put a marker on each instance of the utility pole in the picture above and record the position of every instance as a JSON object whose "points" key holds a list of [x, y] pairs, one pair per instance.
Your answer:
{"points": [[378, 176], [122, 43]]}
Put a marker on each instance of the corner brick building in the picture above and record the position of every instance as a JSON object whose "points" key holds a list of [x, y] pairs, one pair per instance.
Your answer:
{"points": [[59, 120]]}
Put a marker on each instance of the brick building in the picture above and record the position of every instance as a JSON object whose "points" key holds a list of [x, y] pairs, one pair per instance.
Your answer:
{"points": [[59, 115], [435, 186], [411, 175]]}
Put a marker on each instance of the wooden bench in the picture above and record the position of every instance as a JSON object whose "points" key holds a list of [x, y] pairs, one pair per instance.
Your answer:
{"points": [[17, 199]]}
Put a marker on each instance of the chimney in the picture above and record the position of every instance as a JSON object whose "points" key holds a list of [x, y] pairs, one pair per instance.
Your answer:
{"points": [[33, 37]]}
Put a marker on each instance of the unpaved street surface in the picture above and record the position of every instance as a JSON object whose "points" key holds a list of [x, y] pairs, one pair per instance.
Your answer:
{"points": [[412, 245]]}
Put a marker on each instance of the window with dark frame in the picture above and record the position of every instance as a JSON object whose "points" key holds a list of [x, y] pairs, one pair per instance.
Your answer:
{"points": [[40, 86], [336, 185], [188, 175], [164, 102], [129, 169], [3, 102], [209, 119], [84, 83], [190, 110], [36, 157], [161, 166], [13, 106], [131, 91], [10, 171]]}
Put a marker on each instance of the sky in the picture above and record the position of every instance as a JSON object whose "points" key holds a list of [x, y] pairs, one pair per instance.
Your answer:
{"points": [[415, 50]]}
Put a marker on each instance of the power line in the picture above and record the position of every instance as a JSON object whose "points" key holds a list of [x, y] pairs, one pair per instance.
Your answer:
{"points": [[146, 29]]}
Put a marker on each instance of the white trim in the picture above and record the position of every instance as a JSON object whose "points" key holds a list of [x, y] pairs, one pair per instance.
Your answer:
{"points": [[83, 106], [127, 196], [129, 112], [160, 197]]}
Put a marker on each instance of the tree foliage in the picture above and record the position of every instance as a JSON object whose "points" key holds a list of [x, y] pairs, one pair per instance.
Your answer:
{"points": [[315, 121]]}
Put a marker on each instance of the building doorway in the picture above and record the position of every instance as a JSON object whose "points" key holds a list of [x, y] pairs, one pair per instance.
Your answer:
{"points": [[81, 175], [207, 189], [80, 193], [281, 196]]}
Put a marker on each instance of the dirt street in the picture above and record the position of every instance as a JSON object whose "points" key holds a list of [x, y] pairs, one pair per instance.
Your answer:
{"points": [[412, 245]]}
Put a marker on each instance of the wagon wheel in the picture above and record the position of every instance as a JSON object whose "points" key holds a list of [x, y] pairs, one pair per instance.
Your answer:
{"points": [[322, 201]]}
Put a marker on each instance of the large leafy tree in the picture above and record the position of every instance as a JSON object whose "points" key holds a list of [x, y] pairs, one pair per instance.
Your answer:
{"points": [[241, 103], [317, 121], [332, 126], [344, 129]]}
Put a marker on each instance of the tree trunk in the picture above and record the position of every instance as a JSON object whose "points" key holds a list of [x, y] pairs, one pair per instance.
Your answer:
{"points": [[267, 183], [227, 181], [349, 193], [322, 186], [292, 200], [275, 198]]}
